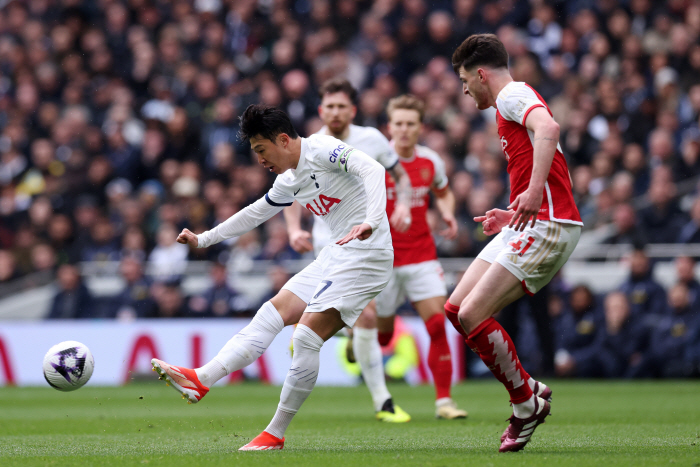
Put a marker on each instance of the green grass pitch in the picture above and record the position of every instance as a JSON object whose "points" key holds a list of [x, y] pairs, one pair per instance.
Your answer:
{"points": [[592, 423]]}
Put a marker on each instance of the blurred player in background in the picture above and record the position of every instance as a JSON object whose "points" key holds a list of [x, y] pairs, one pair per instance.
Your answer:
{"points": [[347, 188], [536, 235], [337, 111], [417, 273]]}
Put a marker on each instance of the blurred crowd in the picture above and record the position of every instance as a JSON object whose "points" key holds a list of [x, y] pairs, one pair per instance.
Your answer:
{"points": [[118, 125]]}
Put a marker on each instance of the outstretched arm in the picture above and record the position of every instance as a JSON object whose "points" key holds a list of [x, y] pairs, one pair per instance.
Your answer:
{"points": [[238, 224], [401, 217], [445, 203], [299, 239]]}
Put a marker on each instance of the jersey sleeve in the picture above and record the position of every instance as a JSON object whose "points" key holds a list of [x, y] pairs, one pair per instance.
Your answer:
{"points": [[440, 180], [516, 102], [385, 154], [243, 221]]}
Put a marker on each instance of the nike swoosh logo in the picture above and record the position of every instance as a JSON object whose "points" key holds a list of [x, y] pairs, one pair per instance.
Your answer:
{"points": [[295, 193]]}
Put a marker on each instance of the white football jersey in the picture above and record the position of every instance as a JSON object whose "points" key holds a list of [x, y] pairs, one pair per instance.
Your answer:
{"points": [[373, 143], [334, 181]]}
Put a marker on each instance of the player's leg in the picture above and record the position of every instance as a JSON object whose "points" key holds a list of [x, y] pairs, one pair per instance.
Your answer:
{"points": [[247, 345], [309, 336], [439, 356], [369, 356], [334, 306], [471, 276], [424, 283]]}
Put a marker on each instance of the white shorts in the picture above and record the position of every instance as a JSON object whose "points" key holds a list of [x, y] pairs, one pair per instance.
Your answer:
{"points": [[418, 282], [343, 278], [534, 255]]}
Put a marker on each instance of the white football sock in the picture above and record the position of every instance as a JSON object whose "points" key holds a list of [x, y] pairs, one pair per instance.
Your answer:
{"points": [[525, 409], [531, 382], [300, 379], [246, 346], [369, 355]]}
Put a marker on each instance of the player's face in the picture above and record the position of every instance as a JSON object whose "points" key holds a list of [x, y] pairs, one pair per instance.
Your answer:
{"points": [[274, 156], [404, 127], [472, 86], [337, 111]]}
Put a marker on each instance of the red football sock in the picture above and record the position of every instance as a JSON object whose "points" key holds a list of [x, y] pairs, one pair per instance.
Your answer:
{"points": [[439, 356], [451, 312], [495, 347], [384, 338]]}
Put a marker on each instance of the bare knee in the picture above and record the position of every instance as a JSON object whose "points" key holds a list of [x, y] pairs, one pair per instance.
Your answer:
{"points": [[289, 306], [368, 318]]}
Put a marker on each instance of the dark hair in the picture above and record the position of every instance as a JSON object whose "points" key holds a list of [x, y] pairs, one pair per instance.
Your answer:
{"points": [[480, 50], [338, 85], [266, 122], [408, 102]]}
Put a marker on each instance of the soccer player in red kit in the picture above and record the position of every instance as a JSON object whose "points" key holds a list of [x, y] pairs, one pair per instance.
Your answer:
{"points": [[417, 274], [535, 236]]}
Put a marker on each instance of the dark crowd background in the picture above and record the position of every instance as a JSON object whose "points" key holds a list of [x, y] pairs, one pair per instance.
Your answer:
{"points": [[118, 127]]}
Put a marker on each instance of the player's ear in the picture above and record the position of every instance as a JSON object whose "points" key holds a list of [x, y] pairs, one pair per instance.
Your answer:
{"points": [[354, 111]]}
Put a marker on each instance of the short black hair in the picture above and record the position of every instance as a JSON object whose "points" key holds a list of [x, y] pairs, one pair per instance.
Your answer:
{"points": [[265, 121], [480, 50], [334, 85]]}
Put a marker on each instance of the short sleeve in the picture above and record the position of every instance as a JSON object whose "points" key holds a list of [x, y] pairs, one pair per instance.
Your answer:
{"points": [[383, 151], [440, 180], [515, 102]]}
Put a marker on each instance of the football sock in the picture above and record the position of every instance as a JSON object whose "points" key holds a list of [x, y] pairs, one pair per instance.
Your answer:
{"points": [[211, 373], [368, 354], [300, 379], [246, 346], [451, 312], [439, 356], [525, 409], [385, 337], [495, 348]]}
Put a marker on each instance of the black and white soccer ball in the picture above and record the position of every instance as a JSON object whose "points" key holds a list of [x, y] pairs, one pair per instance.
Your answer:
{"points": [[68, 366]]}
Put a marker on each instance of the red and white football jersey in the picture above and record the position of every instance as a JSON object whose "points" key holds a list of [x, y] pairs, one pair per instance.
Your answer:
{"points": [[426, 171], [514, 103]]}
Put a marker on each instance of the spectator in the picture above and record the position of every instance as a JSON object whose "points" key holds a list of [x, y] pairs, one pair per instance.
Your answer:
{"points": [[645, 295], [170, 301], [690, 232], [135, 300], [168, 258], [617, 344], [575, 328], [666, 353], [220, 300], [685, 274], [625, 229], [73, 299]]}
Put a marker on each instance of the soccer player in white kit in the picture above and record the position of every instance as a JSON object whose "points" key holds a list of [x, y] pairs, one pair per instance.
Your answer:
{"points": [[534, 237], [337, 111], [344, 186]]}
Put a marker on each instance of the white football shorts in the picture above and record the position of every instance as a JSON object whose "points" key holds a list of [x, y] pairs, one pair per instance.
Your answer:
{"points": [[418, 282], [534, 255], [343, 278]]}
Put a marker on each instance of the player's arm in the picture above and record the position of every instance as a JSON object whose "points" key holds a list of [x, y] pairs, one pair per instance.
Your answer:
{"points": [[238, 224], [372, 175], [401, 217], [299, 239], [445, 203], [546, 138]]}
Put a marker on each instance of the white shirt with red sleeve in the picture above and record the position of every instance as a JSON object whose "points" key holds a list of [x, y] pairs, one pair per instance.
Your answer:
{"points": [[514, 103]]}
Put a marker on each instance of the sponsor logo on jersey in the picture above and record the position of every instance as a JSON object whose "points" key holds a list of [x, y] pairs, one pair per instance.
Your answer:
{"points": [[334, 153], [504, 145]]}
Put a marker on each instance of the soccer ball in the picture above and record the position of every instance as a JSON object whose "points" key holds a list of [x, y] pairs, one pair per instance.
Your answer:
{"points": [[68, 365]]}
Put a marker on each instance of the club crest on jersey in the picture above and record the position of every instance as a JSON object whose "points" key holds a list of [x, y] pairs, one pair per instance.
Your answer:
{"points": [[334, 153]]}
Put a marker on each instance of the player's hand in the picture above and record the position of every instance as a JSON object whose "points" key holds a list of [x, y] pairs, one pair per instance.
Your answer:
{"points": [[451, 231], [401, 217], [300, 241], [361, 232], [526, 205], [188, 238], [494, 220]]}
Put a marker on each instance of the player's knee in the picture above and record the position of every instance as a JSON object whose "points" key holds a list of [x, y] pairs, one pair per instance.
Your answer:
{"points": [[435, 325], [304, 338]]}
